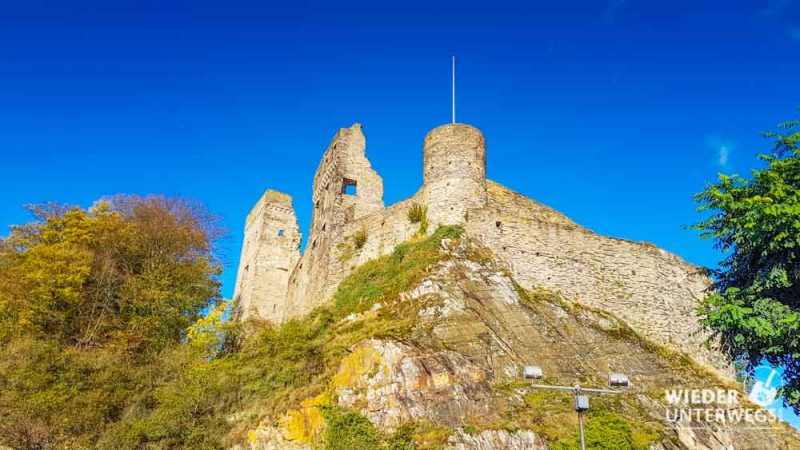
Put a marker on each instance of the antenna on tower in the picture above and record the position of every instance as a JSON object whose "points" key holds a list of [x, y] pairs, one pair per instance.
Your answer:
{"points": [[454, 88]]}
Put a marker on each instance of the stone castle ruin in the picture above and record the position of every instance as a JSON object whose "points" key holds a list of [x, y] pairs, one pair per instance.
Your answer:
{"points": [[654, 291]]}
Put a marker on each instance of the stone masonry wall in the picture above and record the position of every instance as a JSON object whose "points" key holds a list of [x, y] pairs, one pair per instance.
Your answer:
{"points": [[454, 173], [270, 251], [344, 166], [384, 229], [454, 180], [654, 291]]}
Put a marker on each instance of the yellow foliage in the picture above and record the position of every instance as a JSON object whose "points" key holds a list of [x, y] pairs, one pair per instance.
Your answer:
{"points": [[207, 333], [89, 300]]}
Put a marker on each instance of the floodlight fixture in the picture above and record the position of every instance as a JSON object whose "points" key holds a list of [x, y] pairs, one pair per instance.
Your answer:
{"points": [[618, 380], [534, 372]]}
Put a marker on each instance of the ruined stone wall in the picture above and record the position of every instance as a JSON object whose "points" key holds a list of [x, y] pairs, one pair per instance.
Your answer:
{"points": [[348, 200], [515, 203], [270, 252], [384, 230], [346, 191], [654, 291], [454, 173]]}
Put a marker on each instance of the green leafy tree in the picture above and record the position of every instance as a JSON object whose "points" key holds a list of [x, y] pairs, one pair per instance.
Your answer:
{"points": [[90, 299], [755, 222]]}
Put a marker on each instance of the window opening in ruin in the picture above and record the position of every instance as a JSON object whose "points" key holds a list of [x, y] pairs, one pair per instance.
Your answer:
{"points": [[349, 186], [324, 226], [281, 233], [314, 244], [497, 224], [316, 205]]}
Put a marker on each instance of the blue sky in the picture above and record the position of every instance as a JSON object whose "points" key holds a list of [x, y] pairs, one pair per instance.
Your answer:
{"points": [[614, 112]]}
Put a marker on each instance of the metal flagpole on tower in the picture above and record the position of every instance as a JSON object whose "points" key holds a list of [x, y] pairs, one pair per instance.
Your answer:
{"points": [[454, 88]]}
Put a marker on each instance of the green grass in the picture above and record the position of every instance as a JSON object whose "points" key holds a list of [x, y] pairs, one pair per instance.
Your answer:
{"points": [[388, 276], [616, 422], [417, 213]]}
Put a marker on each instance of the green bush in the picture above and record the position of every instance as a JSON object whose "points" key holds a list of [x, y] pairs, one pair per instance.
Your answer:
{"points": [[360, 238], [604, 431], [93, 305], [403, 438], [417, 213], [349, 430]]}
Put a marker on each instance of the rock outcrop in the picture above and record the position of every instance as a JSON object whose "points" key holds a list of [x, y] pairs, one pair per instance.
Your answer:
{"points": [[458, 369]]}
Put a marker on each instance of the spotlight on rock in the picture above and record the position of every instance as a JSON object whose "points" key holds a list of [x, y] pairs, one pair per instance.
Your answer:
{"points": [[534, 372], [618, 380]]}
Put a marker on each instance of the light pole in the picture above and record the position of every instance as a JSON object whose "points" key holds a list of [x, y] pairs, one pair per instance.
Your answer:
{"points": [[581, 400]]}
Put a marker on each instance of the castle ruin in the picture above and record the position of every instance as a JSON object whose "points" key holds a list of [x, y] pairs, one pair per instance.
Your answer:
{"points": [[654, 291]]}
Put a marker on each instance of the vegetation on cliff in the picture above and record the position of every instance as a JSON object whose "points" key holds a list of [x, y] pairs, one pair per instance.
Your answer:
{"points": [[104, 346], [755, 221], [212, 393]]}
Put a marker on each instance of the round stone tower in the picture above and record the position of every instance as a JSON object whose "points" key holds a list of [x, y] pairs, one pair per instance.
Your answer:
{"points": [[454, 173]]}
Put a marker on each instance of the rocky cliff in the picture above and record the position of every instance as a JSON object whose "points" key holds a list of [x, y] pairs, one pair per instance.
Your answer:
{"points": [[429, 356]]}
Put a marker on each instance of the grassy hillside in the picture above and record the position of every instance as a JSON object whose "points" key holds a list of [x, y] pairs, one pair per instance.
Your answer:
{"points": [[209, 395]]}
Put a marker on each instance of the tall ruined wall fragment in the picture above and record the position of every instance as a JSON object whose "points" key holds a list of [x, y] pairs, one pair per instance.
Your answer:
{"points": [[270, 251], [345, 190]]}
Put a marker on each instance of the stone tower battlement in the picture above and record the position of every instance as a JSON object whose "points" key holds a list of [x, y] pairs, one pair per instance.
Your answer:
{"points": [[648, 288], [454, 172], [270, 251]]}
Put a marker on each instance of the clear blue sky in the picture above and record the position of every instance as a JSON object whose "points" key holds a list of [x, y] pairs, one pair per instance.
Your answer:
{"points": [[614, 112]]}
